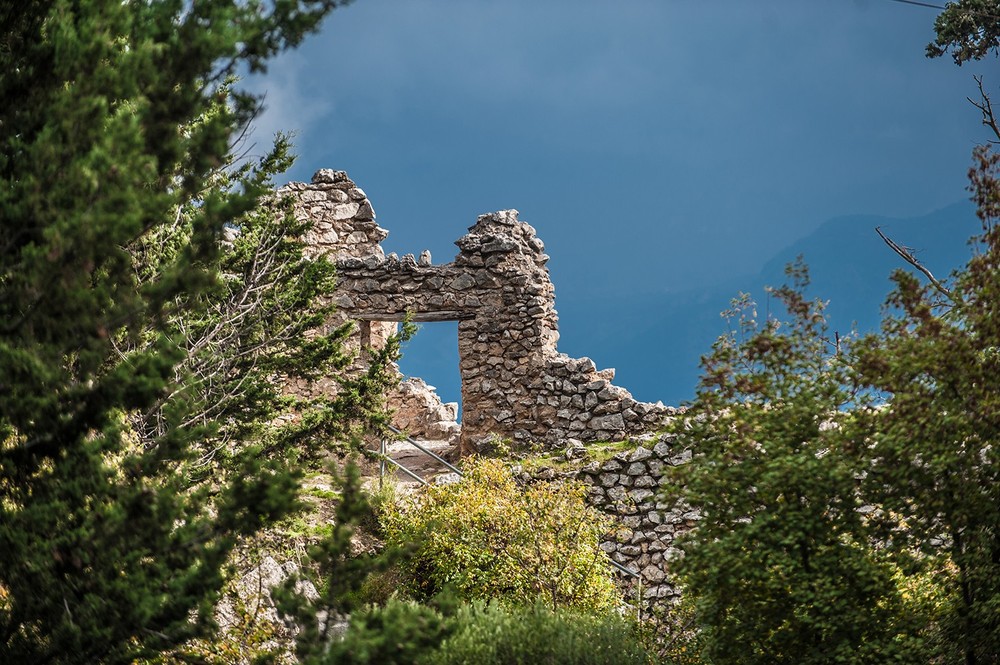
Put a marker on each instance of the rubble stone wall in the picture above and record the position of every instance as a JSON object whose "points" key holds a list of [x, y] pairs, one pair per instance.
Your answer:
{"points": [[515, 383], [420, 413], [343, 225], [625, 487]]}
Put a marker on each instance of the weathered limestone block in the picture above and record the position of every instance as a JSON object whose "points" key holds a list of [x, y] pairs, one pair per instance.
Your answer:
{"points": [[419, 412]]}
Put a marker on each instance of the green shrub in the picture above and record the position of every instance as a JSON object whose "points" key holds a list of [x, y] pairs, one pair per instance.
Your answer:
{"points": [[382, 585], [674, 631], [485, 634], [488, 538], [497, 635], [397, 634]]}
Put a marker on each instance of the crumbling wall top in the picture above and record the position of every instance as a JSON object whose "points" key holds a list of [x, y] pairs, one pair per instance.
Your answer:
{"points": [[515, 383]]}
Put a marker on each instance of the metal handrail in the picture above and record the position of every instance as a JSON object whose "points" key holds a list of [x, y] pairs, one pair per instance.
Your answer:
{"points": [[638, 587], [426, 451], [627, 571], [384, 457]]}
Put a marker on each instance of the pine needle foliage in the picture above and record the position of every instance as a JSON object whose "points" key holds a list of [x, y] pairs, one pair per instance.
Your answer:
{"points": [[117, 125]]}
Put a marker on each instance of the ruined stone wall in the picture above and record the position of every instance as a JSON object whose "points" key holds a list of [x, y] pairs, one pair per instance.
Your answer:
{"points": [[625, 487], [420, 412], [343, 225], [515, 383]]}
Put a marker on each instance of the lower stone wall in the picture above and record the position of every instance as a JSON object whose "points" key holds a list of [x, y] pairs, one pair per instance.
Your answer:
{"points": [[575, 399], [626, 488]]}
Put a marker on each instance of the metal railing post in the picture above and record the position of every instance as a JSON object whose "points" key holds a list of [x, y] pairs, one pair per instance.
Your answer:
{"points": [[638, 594], [381, 464], [638, 601], [429, 453]]}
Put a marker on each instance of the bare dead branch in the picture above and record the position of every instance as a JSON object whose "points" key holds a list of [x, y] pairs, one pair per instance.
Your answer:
{"points": [[985, 107], [907, 256]]}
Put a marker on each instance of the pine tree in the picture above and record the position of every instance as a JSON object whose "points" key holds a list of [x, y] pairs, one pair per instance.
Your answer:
{"points": [[117, 119]]}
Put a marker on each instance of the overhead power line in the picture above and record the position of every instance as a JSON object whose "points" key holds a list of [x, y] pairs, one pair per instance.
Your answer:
{"points": [[931, 5], [918, 4]]}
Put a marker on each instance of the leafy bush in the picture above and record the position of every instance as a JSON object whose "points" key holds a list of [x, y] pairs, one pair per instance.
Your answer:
{"points": [[399, 633], [442, 633], [495, 635], [780, 567], [674, 630], [488, 538]]}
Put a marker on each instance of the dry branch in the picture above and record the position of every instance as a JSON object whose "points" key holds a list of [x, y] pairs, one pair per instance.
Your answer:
{"points": [[907, 256]]}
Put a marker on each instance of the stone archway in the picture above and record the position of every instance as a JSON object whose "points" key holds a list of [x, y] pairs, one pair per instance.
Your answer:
{"points": [[515, 383]]}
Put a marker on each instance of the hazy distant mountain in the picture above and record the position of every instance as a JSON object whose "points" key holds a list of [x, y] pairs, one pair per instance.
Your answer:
{"points": [[850, 265], [655, 339]]}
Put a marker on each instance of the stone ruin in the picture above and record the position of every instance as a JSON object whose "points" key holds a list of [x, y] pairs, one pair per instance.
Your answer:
{"points": [[515, 383], [625, 487], [419, 412]]}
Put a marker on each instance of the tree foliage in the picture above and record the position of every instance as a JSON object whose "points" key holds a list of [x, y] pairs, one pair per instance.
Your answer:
{"points": [[116, 297], [393, 634], [260, 326], [489, 538], [781, 567], [934, 458], [850, 497], [967, 29]]}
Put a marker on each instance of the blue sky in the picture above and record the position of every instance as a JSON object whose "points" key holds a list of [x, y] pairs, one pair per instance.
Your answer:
{"points": [[658, 147]]}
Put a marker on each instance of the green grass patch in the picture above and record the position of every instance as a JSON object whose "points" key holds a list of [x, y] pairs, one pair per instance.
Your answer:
{"points": [[598, 451]]}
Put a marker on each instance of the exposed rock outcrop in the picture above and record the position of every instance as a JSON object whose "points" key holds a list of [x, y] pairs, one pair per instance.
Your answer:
{"points": [[419, 412]]}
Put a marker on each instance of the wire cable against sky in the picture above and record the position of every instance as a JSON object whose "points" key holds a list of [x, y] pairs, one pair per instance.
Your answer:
{"points": [[918, 4], [943, 7]]}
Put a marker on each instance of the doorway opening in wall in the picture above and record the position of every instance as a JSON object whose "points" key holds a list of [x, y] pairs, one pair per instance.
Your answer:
{"points": [[432, 355]]}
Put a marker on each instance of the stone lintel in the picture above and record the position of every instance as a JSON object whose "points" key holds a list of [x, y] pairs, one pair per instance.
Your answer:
{"points": [[416, 317]]}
